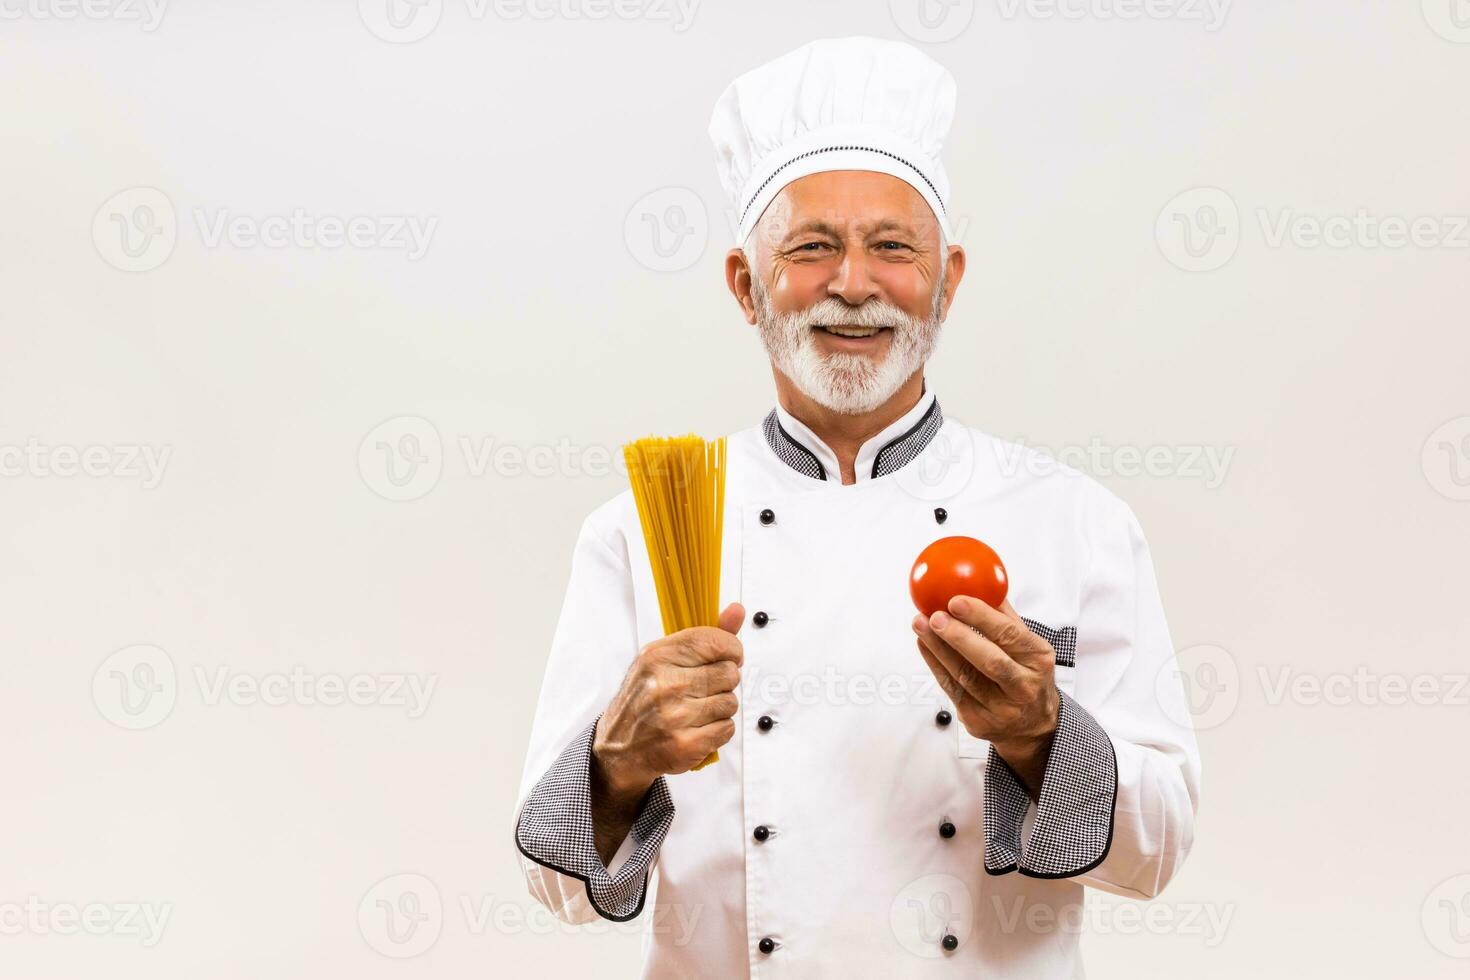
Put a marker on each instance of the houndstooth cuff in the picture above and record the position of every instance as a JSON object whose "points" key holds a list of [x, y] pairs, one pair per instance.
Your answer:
{"points": [[554, 829], [1074, 816]]}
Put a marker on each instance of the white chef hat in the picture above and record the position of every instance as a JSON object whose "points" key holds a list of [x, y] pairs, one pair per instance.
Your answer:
{"points": [[851, 103]]}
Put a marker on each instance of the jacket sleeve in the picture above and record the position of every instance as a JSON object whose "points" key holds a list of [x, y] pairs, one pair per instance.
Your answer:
{"points": [[596, 639], [1121, 787]]}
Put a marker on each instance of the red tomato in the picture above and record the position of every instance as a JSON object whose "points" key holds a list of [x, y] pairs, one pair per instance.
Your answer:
{"points": [[957, 566]]}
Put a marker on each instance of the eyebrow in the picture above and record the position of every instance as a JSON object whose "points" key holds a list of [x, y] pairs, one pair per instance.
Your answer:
{"points": [[810, 225], [819, 225]]}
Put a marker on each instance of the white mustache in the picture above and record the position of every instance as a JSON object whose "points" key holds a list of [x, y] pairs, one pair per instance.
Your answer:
{"points": [[835, 313]]}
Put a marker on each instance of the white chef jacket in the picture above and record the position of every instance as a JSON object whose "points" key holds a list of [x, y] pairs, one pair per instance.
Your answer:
{"points": [[853, 825]]}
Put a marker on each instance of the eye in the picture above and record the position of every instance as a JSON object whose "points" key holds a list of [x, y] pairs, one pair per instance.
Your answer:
{"points": [[812, 246], [896, 245]]}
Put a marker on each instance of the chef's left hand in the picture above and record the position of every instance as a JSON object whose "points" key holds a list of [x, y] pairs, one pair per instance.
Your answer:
{"points": [[1001, 680]]}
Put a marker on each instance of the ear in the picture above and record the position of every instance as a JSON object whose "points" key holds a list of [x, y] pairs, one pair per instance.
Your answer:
{"points": [[953, 273], [737, 278]]}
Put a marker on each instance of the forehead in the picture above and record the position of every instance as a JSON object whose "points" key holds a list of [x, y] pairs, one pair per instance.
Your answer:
{"points": [[848, 201]]}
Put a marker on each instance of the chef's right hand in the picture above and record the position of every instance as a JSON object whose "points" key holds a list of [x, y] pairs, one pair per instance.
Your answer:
{"points": [[674, 707]]}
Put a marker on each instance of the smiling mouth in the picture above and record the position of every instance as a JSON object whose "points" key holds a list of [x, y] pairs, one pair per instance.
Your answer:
{"points": [[846, 330]]}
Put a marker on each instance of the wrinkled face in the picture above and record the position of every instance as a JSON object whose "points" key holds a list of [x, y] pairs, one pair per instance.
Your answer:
{"points": [[847, 278]]}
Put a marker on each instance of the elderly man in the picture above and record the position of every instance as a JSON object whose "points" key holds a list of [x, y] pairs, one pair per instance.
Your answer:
{"points": [[894, 794]]}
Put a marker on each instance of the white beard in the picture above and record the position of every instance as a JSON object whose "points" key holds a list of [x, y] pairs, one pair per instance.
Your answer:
{"points": [[846, 383]]}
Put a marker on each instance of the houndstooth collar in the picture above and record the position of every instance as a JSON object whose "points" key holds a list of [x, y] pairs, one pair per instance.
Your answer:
{"points": [[804, 451]]}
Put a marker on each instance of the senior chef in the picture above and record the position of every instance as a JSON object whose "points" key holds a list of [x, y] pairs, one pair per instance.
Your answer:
{"points": [[894, 795]]}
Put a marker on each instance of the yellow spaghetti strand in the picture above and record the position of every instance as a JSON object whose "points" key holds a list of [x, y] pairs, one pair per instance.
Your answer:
{"points": [[678, 483]]}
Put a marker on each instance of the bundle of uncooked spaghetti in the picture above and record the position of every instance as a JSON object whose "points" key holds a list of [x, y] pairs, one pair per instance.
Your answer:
{"points": [[679, 486]]}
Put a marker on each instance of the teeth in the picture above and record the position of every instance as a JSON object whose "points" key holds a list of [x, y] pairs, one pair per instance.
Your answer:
{"points": [[852, 331]]}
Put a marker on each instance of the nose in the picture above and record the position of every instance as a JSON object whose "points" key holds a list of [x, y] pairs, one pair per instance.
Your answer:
{"points": [[852, 281]]}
